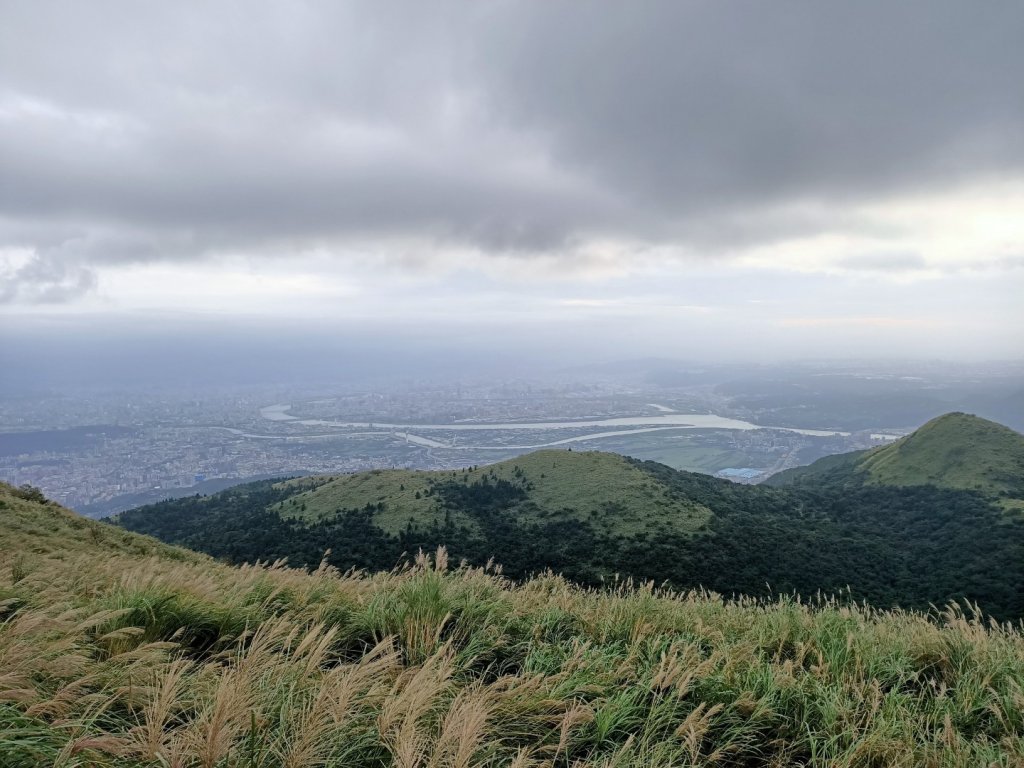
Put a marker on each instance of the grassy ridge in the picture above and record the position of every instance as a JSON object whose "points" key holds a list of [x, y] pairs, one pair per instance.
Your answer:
{"points": [[956, 451], [573, 484], [952, 451], [119, 652]]}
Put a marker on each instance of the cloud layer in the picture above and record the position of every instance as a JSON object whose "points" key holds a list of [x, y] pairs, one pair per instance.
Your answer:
{"points": [[374, 137]]}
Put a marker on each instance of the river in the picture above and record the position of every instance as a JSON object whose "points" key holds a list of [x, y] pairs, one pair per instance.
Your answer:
{"points": [[677, 420]]}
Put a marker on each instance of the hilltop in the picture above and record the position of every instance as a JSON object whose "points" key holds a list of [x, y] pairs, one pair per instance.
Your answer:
{"points": [[596, 517], [956, 451], [579, 485], [953, 451], [116, 650]]}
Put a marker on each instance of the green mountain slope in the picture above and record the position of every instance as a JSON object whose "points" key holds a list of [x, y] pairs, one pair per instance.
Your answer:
{"points": [[35, 529], [575, 485], [597, 517], [953, 451], [119, 652]]}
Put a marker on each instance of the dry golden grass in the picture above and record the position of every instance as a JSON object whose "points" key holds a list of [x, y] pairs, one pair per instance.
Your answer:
{"points": [[117, 651]]}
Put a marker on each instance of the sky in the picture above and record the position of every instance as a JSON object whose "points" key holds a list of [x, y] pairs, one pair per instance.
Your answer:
{"points": [[715, 180]]}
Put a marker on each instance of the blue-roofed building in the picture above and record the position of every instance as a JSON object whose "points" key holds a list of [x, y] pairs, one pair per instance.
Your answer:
{"points": [[740, 473]]}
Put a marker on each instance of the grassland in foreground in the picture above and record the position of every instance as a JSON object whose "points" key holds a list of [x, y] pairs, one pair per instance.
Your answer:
{"points": [[119, 651]]}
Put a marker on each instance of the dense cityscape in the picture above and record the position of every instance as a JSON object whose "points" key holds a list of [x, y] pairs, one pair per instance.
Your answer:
{"points": [[104, 452]]}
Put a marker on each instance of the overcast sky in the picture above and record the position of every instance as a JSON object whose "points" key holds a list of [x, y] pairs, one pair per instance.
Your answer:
{"points": [[712, 178]]}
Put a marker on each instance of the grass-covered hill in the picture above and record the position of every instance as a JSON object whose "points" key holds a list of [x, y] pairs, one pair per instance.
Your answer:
{"points": [[957, 451], [574, 484], [953, 451], [592, 516], [117, 651]]}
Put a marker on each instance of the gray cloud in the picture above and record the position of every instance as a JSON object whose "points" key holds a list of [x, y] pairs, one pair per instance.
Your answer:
{"points": [[46, 278], [709, 104], [231, 126]]}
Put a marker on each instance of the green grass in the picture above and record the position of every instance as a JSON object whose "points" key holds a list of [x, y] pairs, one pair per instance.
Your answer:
{"points": [[120, 652], [1012, 506], [581, 482], [36, 531], [956, 451], [396, 488], [952, 451]]}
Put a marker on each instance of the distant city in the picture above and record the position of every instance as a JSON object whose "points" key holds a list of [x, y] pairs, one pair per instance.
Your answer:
{"points": [[102, 452]]}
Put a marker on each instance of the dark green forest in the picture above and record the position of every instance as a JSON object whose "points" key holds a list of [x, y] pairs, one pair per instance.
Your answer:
{"points": [[912, 547]]}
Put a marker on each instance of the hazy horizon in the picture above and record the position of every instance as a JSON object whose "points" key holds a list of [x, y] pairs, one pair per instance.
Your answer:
{"points": [[107, 355]]}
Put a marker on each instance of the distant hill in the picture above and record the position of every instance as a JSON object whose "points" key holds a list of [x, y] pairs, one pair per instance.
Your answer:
{"points": [[596, 517], [956, 450], [584, 485], [100, 509], [953, 451]]}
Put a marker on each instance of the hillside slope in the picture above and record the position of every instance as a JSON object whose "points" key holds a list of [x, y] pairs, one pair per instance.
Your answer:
{"points": [[117, 651], [36, 529], [953, 451], [956, 451]]}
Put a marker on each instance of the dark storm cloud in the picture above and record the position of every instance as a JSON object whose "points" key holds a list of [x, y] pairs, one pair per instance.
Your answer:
{"points": [[703, 104], [174, 131]]}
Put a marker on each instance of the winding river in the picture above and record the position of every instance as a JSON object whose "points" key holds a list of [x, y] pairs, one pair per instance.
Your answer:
{"points": [[279, 412]]}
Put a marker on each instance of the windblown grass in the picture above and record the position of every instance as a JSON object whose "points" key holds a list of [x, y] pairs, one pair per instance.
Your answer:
{"points": [[126, 656]]}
